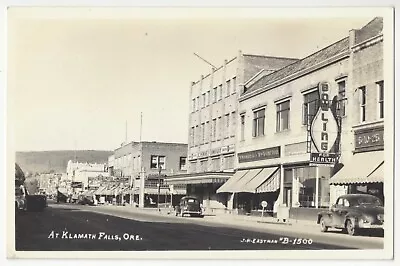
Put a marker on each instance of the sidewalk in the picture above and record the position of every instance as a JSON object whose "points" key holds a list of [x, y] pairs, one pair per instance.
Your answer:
{"points": [[224, 218]]}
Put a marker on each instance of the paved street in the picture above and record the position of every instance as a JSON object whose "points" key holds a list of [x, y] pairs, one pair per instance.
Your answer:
{"points": [[96, 228]]}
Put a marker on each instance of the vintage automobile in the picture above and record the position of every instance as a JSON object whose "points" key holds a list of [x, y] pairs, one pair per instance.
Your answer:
{"points": [[189, 205], [352, 213]]}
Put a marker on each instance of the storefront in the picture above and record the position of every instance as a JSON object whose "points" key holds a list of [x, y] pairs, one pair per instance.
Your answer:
{"points": [[203, 186], [364, 172]]}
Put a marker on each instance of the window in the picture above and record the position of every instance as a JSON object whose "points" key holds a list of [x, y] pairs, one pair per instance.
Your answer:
{"points": [[220, 92], [258, 123], [215, 164], [342, 98], [228, 87], [214, 129], [229, 162], [207, 132], [208, 98], [282, 116], [227, 126], [310, 107], [192, 136], [233, 127], [234, 84], [196, 138], [219, 128], [363, 102], [242, 124], [157, 161], [182, 163], [202, 134], [203, 100], [215, 95], [381, 92], [194, 105], [197, 103]]}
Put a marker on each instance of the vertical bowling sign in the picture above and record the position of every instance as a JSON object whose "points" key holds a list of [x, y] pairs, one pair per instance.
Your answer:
{"points": [[324, 130]]}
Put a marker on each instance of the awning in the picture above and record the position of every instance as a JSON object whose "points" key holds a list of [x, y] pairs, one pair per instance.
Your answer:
{"points": [[231, 181], [239, 186], [272, 184], [364, 167], [259, 179], [198, 178]]}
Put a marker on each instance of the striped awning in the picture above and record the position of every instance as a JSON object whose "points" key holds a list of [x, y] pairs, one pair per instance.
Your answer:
{"points": [[231, 181], [198, 178], [364, 167], [272, 184], [240, 185], [261, 178]]}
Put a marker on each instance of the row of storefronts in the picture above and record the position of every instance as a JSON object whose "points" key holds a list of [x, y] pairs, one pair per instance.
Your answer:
{"points": [[303, 134]]}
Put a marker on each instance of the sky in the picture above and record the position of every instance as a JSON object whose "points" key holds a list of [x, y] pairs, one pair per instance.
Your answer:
{"points": [[76, 81]]}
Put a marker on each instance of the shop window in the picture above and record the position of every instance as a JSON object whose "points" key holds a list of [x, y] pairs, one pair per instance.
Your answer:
{"points": [[157, 161], [363, 103], [305, 178], [310, 106], [381, 107], [258, 123], [282, 116], [342, 98]]}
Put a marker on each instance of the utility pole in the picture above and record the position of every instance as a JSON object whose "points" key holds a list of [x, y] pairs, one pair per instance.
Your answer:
{"points": [[141, 122]]}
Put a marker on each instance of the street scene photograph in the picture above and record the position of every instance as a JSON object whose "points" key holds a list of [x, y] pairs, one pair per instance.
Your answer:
{"points": [[195, 129]]}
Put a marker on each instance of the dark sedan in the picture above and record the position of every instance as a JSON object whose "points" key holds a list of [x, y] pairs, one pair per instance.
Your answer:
{"points": [[189, 206], [353, 212]]}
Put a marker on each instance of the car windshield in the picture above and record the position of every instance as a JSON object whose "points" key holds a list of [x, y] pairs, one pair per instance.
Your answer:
{"points": [[367, 200]]}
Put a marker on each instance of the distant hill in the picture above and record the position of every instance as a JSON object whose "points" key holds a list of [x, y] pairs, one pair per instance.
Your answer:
{"points": [[46, 161]]}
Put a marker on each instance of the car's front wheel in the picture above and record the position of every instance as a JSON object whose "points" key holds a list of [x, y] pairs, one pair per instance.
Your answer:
{"points": [[350, 228], [322, 223]]}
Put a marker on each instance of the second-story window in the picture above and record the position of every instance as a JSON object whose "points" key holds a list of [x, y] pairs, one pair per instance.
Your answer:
{"points": [[203, 100], [258, 123], [197, 103], [242, 125], [208, 98], [381, 107], [182, 163], [227, 126], [310, 107], [282, 116], [363, 103], [342, 98], [214, 130], [207, 132], [157, 161], [202, 133], [194, 105], [233, 127], [220, 128], [192, 136], [215, 95]]}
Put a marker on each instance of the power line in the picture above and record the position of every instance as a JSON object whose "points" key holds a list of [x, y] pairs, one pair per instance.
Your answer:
{"points": [[204, 60]]}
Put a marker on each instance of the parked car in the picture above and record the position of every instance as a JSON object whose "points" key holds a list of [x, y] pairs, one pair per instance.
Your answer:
{"points": [[189, 205], [352, 213]]}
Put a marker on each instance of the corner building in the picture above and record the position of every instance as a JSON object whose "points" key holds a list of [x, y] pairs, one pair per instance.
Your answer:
{"points": [[212, 127], [275, 116]]}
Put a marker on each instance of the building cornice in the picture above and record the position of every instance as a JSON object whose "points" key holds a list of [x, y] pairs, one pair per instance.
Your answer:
{"points": [[327, 62], [369, 42]]}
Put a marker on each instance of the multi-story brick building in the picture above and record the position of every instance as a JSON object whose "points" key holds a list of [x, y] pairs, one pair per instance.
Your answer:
{"points": [[276, 116], [367, 115], [146, 164], [212, 125]]}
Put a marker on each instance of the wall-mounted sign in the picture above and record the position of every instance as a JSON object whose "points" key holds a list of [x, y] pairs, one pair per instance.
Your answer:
{"points": [[257, 155], [215, 151], [369, 139], [203, 154], [324, 129]]}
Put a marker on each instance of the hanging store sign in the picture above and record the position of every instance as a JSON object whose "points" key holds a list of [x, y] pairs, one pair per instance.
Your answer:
{"points": [[324, 130], [257, 155]]}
